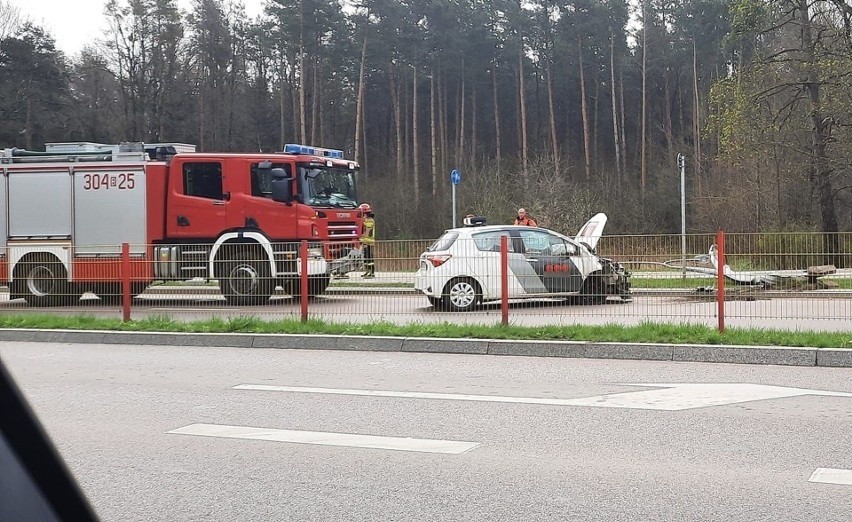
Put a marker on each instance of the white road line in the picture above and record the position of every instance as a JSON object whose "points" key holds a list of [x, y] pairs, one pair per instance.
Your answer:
{"points": [[842, 477], [352, 440], [671, 397]]}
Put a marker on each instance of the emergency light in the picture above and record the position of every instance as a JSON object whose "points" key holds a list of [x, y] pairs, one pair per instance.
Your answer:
{"points": [[294, 148]]}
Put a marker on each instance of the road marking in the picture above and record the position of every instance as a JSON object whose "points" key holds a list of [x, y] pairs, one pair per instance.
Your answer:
{"points": [[351, 440], [842, 477], [671, 397]]}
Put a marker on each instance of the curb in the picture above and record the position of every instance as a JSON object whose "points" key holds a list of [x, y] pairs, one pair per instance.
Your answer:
{"points": [[734, 354]]}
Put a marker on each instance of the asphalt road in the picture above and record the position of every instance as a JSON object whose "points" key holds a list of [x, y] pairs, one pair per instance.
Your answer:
{"points": [[824, 312], [110, 410]]}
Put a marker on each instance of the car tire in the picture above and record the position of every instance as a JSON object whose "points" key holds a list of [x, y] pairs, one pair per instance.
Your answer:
{"points": [[593, 290], [462, 294]]}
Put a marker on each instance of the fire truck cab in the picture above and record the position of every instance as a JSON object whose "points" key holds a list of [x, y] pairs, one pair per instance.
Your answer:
{"points": [[234, 217]]}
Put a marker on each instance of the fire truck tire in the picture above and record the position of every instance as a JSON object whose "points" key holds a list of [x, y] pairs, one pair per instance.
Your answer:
{"points": [[244, 277], [462, 294], [45, 282]]}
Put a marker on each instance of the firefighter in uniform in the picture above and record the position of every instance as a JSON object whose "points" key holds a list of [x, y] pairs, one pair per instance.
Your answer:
{"points": [[368, 239], [525, 219]]}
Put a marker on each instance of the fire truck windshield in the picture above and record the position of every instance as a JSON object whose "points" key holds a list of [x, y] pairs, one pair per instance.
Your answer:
{"points": [[328, 187]]}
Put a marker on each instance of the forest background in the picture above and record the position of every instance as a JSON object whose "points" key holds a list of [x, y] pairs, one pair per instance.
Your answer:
{"points": [[565, 107]]}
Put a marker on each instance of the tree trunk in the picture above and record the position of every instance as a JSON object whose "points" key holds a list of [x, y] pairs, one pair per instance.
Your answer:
{"points": [[819, 133], [643, 174], [303, 131], [496, 113], [585, 112], [554, 143], [433, 134], [523, 102], [460, 153], [473, 147], [623, 122], [596, 125], [445, 142], [315, 103], [397, 120], [360, 100], [696, 122], [414, 141], [667, 125], [615, 137]]}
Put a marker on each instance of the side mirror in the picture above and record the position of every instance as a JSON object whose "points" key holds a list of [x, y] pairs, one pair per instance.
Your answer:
{"points": [[282, 188]]}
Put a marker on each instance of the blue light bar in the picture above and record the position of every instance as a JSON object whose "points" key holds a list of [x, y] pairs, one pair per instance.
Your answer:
{"points": [[294, 148]]}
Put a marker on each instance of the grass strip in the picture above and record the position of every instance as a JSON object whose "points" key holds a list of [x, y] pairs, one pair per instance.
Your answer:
{"points": [[649, 332]]}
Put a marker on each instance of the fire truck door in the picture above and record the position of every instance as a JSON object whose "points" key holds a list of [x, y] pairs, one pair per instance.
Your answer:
{"points": [[198, 209]]}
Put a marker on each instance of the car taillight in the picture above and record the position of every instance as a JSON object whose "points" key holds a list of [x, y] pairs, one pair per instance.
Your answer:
{"points": [[438, 259]]}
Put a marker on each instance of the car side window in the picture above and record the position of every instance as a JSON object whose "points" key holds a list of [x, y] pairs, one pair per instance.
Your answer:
{"points": [[537, 242], [490, 241]]}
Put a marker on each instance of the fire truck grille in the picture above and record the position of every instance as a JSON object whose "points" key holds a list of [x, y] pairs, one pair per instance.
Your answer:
{"points": [[342, 229]]}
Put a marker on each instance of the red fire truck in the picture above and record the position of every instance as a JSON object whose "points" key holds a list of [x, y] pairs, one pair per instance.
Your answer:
{"points": [[235, 218]]}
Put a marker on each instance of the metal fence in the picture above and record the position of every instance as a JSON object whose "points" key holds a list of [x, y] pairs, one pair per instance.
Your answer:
{"points": [[782, 281]]}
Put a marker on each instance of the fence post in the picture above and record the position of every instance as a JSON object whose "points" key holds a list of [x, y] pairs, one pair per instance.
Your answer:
{"points": [[504, 279], [125, 281], [720, 278], [303, 279]]}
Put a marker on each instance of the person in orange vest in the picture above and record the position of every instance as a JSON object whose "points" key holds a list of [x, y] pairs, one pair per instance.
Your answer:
{"points": [[368, 239], [524, 219]]}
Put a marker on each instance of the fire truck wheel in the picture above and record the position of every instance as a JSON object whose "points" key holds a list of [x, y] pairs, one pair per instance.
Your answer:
{"points": [[462, 294], [46, 283], [244, 278]]}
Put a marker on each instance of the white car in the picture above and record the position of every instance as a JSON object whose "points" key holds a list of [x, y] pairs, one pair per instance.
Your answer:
{"points": [[462, 268]]}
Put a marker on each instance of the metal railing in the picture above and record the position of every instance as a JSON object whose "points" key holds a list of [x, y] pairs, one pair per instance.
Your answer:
{"points": [[787, 281]]}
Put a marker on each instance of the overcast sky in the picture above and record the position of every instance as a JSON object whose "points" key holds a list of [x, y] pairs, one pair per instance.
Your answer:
{"points": [[74, 23]]}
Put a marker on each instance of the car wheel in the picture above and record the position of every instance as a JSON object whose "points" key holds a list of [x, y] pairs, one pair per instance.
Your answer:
{"points": [[593, 290], [462, 295]]}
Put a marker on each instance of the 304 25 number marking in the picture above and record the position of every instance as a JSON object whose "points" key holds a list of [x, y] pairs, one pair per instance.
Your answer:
{"points": [[123, 181]]}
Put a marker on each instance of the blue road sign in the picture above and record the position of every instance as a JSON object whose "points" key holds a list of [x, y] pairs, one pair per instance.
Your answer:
{"points": [[455, 177]]}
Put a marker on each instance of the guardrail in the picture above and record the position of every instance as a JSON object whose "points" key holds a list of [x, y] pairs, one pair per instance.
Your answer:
{"points": [[772, 280]]}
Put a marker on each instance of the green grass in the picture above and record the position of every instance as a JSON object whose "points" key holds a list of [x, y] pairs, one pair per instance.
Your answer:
{"points": [[644, 333], [675, 282]]}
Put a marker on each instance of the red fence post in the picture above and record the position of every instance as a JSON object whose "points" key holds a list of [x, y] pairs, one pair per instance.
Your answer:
{"points": [[504, 279], [303, 279], [125, 281], [720, 275]]}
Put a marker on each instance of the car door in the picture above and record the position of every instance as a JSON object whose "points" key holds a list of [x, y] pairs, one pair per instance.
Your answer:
{"points": [[550, 258]]}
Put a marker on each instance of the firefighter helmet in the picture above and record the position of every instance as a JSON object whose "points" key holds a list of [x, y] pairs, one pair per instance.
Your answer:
{"points": [[365, 208]]}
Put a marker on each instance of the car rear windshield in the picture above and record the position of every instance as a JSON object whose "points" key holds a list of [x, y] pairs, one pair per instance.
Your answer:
{"points": [[444, 242]]}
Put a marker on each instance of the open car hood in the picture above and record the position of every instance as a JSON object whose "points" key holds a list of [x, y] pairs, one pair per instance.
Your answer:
{"points": [[591, 232]]}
